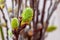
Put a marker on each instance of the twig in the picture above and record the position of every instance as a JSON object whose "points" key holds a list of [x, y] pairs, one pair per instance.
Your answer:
{"points": [[7, 10], [13, 8], [25, 3], [1, 30], [2, 33], [19, 7], [32, 5], [42, 18], [35, 4], [5, 21], [16, 32], [47, 21], [53, 9], [16, 1], [49, 7]]}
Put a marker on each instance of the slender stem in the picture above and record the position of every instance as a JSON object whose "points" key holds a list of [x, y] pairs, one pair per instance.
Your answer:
{"points": [[13, 8], [5, 21], [29, 38], [49, 8], [32, 2], [42, 18], [2, 33], [7, 10], [1, 30], [47, 21], [19, 7], [53, 9]]}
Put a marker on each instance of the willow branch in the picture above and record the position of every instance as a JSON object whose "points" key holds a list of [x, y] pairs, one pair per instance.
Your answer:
{"points": [[47, 21], [34, 26], [1, 30], [25, 3], [16, 1], [35, 5], [42, 17], [2, 33], [5, 21], [13, 8], [49, 7], [19, 6], [53, 9], [7, 10]]}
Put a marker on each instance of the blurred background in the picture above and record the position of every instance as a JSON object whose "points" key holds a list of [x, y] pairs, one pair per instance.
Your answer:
{"points": [[55, 19]]}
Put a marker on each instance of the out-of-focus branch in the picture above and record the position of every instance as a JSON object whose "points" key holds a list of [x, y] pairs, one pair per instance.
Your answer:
{"points": [[50, 14], [35, 5], [19, 7], [25, 3], [3, 15], [42, 18], [53, 9], [5, 21], [7, 10], [15, 1], [2, 34], [43, 11], [1, 30], [49, 7], [13, 8], [37, 11], [32, 6]]}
